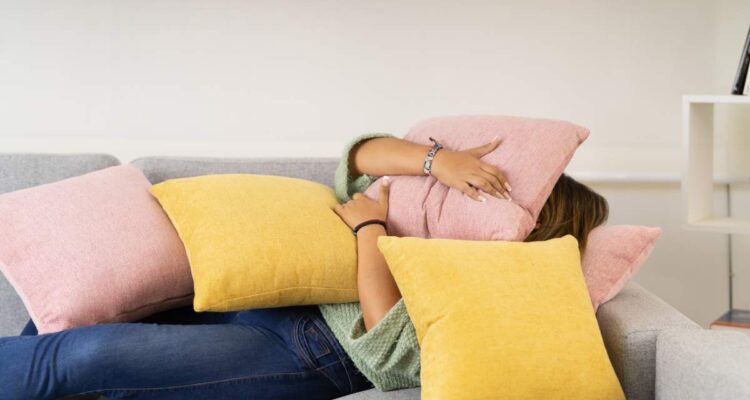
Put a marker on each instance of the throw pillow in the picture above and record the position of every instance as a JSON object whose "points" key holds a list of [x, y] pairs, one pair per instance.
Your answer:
{"points": [[92, 249], [532, 155], [613, 255], [509, 320], [256, 241]]}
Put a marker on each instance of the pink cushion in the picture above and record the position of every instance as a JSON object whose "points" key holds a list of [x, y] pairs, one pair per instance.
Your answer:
{"points": [[613, 255], [92, 249], [532, 155]]}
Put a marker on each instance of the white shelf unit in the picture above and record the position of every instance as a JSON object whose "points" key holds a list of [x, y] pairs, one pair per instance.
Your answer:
{"points": [[698, 161]]}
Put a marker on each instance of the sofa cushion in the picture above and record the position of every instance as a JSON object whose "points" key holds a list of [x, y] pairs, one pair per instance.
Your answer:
{"points": [[532, 155], [258, 241], [20, 171], [614, 253], [513, 310], [92, 249]]}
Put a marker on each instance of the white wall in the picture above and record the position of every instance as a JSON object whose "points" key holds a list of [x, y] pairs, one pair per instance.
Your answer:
{"points": [[299, 78], [171, 75], [733, 127]]}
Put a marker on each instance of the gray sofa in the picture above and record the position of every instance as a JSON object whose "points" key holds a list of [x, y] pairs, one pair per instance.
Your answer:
{"points": [[630, 323], [701, 364]]}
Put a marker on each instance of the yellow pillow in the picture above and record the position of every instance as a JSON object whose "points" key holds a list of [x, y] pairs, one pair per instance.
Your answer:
{"points": [[256, 241], [502, 320]]}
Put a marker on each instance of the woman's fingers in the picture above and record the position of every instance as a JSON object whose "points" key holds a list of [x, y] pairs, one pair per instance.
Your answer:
{"points": [[470, 191], [499, 189], [497, 173], [479, 182]]}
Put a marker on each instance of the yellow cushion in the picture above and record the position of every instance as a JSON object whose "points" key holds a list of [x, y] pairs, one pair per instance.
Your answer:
{"points": [[502, 320], [256, 241]]}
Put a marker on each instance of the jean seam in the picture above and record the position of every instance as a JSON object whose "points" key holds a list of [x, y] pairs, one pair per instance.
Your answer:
{"points": [[322, 343], [296, 335], [193, 385], [324, 371], [337, 348], [296, 340]]}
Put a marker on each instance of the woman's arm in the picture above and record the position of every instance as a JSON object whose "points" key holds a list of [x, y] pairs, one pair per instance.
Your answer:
{"points": [[377, 288], [462, 170], [387, 156]]}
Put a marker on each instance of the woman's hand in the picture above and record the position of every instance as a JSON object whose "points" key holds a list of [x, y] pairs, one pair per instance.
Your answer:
{"points": [[361, 208], [463, 170]]}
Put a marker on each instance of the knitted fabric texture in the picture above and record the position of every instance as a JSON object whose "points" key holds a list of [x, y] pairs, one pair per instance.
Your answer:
{"points": [[387, 354]]}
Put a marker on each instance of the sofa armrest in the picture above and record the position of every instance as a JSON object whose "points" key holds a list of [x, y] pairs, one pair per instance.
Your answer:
{"points": [[702, 364], [630, 324]]}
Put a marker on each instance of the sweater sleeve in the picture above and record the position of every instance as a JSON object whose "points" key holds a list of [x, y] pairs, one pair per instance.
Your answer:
{"points": [[387, 354], [345, 183], [392, 345]]}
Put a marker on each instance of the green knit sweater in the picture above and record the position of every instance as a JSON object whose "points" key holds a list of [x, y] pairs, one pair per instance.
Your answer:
{"points": [[387, 354]]}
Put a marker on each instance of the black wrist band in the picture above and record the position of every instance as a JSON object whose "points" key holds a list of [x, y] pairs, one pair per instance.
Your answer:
{"points": [[368, 222]]}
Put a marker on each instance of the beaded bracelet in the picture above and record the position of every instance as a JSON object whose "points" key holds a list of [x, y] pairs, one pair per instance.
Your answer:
{"points": [[427, 166]]}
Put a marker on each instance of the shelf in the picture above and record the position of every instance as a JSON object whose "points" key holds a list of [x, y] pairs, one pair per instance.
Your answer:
{"points": [[733, 319], [698, 175], [716, 99], [721, 225]]}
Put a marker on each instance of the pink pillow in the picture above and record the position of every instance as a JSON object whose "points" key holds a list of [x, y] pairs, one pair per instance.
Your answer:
{"points": [[532, 155], [613, 255], [92, 249]]}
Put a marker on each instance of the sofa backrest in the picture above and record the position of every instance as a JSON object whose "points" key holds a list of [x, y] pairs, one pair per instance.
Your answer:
{"points": [[21, 171], [158, 169]]}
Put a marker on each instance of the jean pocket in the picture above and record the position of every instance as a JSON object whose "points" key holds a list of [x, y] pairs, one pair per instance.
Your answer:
{"points": [[315, 342]]}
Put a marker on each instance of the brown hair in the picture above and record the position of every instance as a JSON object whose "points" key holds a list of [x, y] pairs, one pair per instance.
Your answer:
{"points": [[571, 209]]}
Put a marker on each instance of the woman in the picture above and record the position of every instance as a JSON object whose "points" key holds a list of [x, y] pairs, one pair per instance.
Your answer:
{"points": [[306, 352]]}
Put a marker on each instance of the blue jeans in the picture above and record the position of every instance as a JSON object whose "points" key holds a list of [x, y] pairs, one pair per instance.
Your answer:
{"points": [[280, 353]]}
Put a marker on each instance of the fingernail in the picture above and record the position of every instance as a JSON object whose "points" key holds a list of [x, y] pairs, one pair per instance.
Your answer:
{"points": [[507, 186], [482, 198], [495, 138], [386, 180], [510, 199]]}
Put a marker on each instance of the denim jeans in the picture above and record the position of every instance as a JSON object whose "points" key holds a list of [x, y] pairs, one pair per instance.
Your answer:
{"points": [[281, 353]]}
